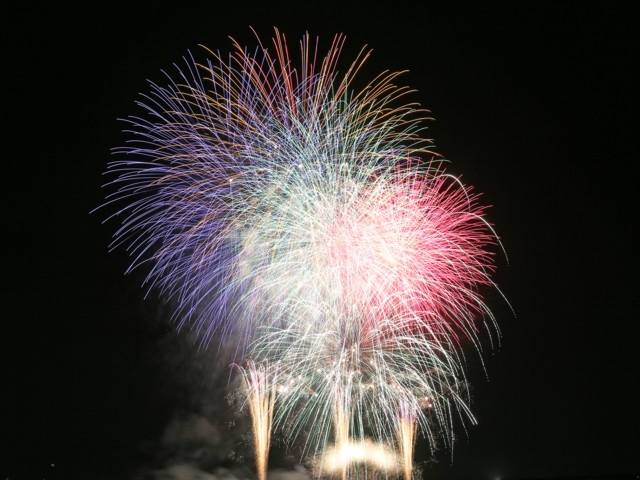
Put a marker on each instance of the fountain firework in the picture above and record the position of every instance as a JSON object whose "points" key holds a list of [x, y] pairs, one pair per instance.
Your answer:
{"points": [[260, 394]]}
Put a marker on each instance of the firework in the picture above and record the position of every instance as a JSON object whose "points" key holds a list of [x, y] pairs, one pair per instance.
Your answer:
{"points": [[260, 395], [406, 432], [277, 204]]}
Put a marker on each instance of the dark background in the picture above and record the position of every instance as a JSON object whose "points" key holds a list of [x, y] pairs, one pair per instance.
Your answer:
{"points": [[535, 105]]}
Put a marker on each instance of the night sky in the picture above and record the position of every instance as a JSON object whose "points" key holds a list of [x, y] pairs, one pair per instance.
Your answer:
{"points": [[534, 105]]}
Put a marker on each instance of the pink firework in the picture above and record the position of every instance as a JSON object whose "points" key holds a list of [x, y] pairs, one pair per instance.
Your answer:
{"points": [[413, 249]]}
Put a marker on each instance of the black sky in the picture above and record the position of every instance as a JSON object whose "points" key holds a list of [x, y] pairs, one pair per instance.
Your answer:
{"points": [[535, 105]]}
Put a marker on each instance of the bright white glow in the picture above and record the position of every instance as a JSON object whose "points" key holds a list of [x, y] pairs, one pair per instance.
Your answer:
{"points": [[348, 453]]}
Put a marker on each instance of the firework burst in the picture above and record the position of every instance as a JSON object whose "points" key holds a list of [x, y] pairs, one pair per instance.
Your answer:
{"points": [[275, 203]]}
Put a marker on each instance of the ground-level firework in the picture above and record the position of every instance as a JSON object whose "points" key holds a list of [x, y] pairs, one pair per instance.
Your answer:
{"points": [[261, 394], [311, 223]]}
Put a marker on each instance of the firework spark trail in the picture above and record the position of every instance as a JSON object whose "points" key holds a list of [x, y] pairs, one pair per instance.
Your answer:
{"points": [[311, 220]]}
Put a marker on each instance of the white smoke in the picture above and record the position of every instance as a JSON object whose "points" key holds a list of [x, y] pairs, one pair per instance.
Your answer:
{"points": [[189, 472]]}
